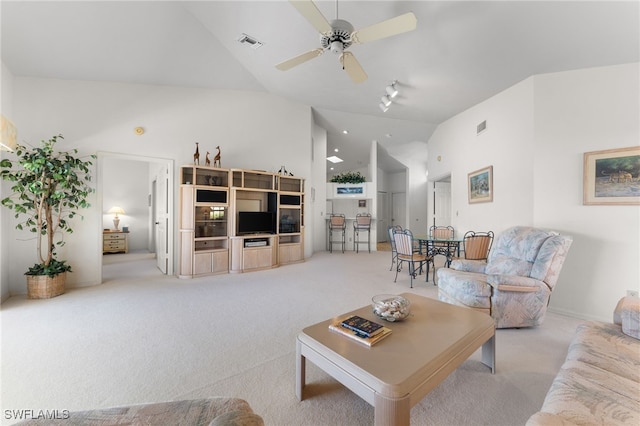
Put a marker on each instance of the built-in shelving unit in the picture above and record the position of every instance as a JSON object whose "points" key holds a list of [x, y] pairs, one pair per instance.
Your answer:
{"points": [[204, 221], [235, 220], [290, 219]]}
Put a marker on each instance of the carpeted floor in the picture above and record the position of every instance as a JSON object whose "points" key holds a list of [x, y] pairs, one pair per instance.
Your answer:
{"points": [[151, 338]]}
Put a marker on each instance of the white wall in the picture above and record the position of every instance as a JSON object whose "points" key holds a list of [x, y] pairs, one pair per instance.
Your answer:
{"points": [[254, 130], [537, 132], [6, 109], [507, 145], [577, 112], [316, 191]]}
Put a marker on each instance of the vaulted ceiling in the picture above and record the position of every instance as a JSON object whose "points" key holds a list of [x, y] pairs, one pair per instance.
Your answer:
{"points": [[461, 53]]}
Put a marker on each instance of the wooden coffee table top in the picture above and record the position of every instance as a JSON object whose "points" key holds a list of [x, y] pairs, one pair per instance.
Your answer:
{"points": [[425, 347]]}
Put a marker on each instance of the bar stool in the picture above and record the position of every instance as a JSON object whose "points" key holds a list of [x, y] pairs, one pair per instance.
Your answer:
{"points": [[361, 224], [337, 224]]}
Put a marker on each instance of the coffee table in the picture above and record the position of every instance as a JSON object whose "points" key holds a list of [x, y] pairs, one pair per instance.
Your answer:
{"points": [[397, 372]]}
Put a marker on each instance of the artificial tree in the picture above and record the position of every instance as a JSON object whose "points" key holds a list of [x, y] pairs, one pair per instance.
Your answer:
{"points": [[48, 188]]}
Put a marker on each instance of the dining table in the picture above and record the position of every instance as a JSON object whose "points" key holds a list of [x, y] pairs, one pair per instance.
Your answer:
{"points": [[439, 246]]}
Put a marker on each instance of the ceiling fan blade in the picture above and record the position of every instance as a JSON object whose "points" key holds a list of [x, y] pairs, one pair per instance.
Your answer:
{"points": [[309, 10], [399, 24], [300, 59], [351, 65]]}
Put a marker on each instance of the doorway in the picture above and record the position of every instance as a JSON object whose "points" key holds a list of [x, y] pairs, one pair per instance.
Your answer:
{"points": [[442, 202], [142, 187], [399, 209]]}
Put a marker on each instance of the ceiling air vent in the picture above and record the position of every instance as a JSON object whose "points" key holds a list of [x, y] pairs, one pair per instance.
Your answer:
{"points": [[481, 127], [247, 39]]}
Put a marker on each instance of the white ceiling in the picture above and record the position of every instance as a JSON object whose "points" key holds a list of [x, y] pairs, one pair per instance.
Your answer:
{"points": [[460, 54]]}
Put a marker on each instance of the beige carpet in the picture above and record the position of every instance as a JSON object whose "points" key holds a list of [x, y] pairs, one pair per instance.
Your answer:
{"points": [[153, 338]]}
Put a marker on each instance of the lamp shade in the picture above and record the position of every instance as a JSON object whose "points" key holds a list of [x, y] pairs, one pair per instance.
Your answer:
{"points": [[116, 210]]}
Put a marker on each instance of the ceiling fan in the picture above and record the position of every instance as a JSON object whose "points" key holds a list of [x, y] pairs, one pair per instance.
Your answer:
{"points": [[338, 35]]}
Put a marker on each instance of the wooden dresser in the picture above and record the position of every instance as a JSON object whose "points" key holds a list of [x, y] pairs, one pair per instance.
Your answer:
{"points": [[115, 242]]}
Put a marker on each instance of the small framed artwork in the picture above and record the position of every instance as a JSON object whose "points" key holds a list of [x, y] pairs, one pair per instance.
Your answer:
{"points": [[481, 185], [362, 203], [612, 177]]}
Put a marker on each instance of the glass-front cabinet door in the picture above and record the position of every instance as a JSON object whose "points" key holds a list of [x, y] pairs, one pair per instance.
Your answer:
{"points": [[210, 221]]}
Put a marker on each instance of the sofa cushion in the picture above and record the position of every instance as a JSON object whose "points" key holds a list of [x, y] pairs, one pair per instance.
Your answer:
{"points": [[196, 412], [627, 314], [599, 381], [238, 418], [606, 347], [587, 395]]}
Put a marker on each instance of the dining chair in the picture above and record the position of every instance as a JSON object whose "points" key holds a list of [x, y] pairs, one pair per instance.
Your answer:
{"points": [[444, 248], [337, 225], [406, 254], [476, 245], [394, 253], [361, 224]]}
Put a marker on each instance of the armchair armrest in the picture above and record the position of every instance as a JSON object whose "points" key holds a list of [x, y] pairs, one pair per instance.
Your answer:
{"points": [[515, 283], [469, 265]]}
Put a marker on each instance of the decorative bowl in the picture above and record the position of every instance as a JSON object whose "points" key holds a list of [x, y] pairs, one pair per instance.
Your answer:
{"points": [[390, 307]]}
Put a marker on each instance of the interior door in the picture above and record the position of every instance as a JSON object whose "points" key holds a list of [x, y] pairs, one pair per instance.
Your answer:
{"points": [[442, 203], [162, 217], [382, 217], [399, 209]]}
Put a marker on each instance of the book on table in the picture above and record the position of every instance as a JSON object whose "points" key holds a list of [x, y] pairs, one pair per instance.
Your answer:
{"points": [[354, 335], [363, 326]]}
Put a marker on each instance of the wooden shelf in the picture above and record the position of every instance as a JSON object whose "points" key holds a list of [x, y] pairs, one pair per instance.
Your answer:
{"points": [[210, 202]]}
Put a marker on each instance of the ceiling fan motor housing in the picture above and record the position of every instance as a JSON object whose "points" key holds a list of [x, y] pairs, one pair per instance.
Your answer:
{"points": [[339, 38]]}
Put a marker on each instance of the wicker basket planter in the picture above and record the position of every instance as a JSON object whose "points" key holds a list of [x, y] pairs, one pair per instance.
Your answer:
{"points": [[44, 286]]}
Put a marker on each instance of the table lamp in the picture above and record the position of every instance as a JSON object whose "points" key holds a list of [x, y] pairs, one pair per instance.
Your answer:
{"points": [[116, 219]]}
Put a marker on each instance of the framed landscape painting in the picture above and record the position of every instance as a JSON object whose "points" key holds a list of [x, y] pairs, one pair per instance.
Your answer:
{"points": [[481, 185], [612, 177]]}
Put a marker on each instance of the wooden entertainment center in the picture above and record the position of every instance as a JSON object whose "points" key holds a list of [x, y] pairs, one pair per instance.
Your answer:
{"points": [[235, 220]]}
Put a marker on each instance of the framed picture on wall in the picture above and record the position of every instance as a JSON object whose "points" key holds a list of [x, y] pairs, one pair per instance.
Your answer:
{"points": [[481, 185], [612, 177]]}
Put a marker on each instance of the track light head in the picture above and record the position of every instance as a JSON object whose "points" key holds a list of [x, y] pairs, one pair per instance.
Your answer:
{"points": [[392, 90], [386, 100], [383, 107]]}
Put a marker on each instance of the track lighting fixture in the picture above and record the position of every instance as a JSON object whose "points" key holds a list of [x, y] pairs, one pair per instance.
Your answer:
{"points": [[392, 90]]}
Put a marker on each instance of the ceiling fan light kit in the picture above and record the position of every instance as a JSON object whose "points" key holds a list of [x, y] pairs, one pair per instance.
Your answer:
{"points": [[339, 35]]}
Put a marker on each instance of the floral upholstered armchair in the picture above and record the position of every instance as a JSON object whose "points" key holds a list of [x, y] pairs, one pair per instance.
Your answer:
{"points": [[516, 281]]}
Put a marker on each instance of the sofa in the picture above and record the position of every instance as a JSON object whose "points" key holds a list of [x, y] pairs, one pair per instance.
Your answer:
{"points": [[196, 412], [599, 382]]}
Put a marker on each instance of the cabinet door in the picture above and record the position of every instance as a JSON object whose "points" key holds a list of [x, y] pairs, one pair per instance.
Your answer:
{"points": [[202, 263], [221, 261], [255, 258], [290, 253]]}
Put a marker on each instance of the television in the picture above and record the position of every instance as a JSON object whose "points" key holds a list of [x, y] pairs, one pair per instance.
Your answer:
{"points": [[256, 223]]}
